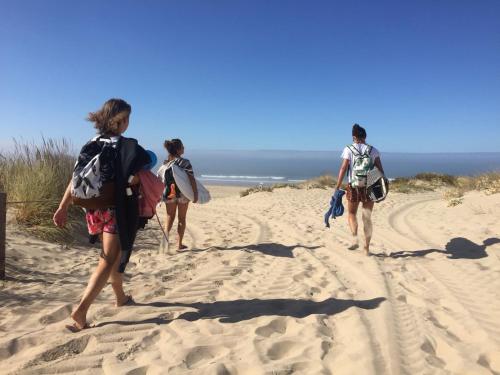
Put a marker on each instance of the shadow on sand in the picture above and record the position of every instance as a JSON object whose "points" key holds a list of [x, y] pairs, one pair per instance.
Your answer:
{"points": [[266, 248], [456, 248], [239, 310]]}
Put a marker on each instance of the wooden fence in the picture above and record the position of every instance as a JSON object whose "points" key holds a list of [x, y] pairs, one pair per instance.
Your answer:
{"points": [[3, 227]]}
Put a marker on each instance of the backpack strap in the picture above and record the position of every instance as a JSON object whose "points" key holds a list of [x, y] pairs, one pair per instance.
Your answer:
{"points": [[101, 138], [353, 150], [368, 150]]}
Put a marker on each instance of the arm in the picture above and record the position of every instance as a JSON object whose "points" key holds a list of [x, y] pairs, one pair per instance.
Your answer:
{"points": [[195, 188], [342, 171], [378, 164], [61, 215]]}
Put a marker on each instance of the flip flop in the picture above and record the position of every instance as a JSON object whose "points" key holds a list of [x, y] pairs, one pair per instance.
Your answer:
{"points": [[74, 328], [129, 302]]}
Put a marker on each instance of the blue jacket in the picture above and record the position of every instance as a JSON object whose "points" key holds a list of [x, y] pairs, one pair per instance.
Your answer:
{"points": [[336, 207]]}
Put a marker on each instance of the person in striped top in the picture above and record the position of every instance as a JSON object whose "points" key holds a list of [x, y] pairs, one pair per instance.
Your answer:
{"points": [[175, 201]]}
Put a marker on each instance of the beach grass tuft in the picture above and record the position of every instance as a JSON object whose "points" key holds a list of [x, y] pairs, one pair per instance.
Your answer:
{"points": [[453, 187], [256, 189], [321, 182], [38, 175]]}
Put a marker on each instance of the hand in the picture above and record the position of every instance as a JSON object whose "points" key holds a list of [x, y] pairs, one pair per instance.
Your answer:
{"points": [[134, 181], [60, 217]]}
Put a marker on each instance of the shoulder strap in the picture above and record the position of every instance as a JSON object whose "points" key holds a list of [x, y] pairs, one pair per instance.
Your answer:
{"points": [[103, 139], [353, 150], [368, 150]]}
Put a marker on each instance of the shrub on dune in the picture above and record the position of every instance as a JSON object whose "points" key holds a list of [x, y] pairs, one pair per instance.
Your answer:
{"points": [[322, 182], [39, 175]]}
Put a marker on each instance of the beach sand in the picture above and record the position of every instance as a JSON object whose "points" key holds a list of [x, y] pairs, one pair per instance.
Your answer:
{"points": [[266, 289]]}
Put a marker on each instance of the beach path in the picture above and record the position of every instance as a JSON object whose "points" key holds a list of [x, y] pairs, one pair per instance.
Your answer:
{"points": [[265, 288]]}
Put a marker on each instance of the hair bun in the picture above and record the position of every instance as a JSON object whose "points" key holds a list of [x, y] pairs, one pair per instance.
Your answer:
{"points": [[358, 131]]}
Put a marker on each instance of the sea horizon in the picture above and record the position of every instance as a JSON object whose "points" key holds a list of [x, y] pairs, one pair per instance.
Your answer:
{"points": [[252, 167]]}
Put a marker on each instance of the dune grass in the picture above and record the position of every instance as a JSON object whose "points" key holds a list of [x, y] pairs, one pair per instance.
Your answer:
{"points": [[453, 187], [40, 173], [321, 182]]}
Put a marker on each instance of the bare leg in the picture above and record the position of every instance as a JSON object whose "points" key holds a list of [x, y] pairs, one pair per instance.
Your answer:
{"points": [[171, 212], [367, 224], [171, 209], [181, 226], [116, 279], [352, 209], [111, 251]]}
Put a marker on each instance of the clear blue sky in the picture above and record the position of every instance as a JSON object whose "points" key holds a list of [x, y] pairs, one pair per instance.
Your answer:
{"points": [[227, 74]]}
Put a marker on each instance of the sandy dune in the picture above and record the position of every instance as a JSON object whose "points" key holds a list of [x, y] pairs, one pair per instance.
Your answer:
{"points": [[266, 289]]}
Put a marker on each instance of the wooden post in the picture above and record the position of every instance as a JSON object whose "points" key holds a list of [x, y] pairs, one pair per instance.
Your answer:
{"points": [[3, 227]]}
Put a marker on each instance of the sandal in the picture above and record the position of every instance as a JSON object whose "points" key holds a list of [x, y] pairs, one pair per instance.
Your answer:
{"points": [[129, 302]]}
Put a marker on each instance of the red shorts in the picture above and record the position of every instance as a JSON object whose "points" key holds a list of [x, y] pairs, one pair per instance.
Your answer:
{"points": [[99, 221]]}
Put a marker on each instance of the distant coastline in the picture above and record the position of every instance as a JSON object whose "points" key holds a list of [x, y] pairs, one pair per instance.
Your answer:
{"points": [[267, 167]]}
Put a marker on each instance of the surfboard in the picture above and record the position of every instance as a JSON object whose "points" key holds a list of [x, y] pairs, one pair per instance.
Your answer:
{"points": [[377, 185], [182, 181]]}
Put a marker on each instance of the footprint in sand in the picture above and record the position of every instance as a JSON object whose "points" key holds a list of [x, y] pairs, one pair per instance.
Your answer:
{"points": [[57, 315], [236, 271], [218, 283], [203, 354], [282, 349], [70, 348], [17, 345], [276, 326]]}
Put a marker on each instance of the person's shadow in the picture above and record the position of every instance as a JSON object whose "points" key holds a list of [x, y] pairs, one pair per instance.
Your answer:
{"points": [[456, 248], [266, 248], [242, 309]]}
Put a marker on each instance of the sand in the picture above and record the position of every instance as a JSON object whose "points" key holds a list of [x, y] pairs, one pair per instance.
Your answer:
{"points": [[265, 288]]}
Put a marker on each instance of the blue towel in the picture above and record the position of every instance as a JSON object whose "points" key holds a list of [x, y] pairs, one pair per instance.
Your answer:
{"points": [[336, 207]]}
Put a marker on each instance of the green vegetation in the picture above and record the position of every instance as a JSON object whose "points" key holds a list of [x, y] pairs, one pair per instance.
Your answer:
{"points": [[40, 174], [321, 182], [454, 187]]}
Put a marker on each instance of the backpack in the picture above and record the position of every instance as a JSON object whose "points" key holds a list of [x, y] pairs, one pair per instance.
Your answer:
{"points": [[92, 183], [361, 165]]}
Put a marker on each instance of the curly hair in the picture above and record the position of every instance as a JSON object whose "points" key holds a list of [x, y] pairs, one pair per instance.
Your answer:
{"points": [[107, 120]]}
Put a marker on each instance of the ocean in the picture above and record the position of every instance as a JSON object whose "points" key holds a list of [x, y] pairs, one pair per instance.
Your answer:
{"points": [[269, 167]]}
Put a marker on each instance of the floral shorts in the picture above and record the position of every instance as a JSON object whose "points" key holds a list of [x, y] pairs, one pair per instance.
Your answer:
{"points": [[99, 221], [356, 195]]}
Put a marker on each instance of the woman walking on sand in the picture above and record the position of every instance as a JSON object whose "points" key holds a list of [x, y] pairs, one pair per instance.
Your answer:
{"points": [[175, 201], [103, 182], [353, 156]]}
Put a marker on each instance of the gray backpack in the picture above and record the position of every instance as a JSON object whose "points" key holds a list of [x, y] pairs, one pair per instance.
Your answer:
{"points": [[88, 186]]}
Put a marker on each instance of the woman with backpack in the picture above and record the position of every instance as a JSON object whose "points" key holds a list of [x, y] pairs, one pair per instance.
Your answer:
{"points": [[103, 183], [358, 159], [175, 201]]}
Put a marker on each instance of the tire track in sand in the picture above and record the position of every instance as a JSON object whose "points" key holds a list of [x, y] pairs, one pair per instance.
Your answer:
{"points": [[471, 292]]}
